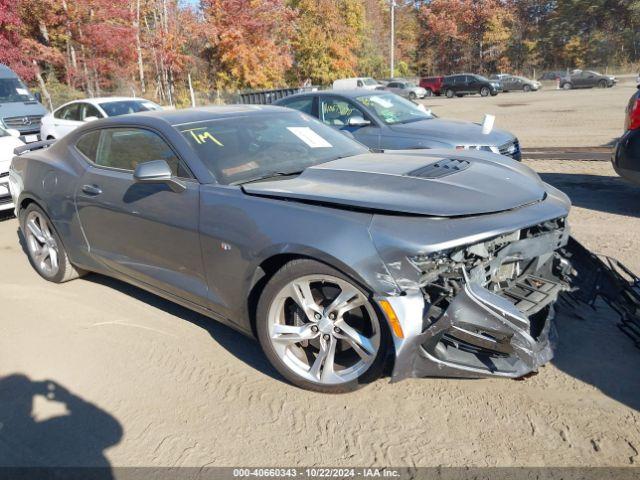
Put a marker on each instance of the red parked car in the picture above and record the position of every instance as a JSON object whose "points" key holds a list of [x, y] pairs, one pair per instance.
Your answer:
{"points": [[626, 156], [432, 85]]}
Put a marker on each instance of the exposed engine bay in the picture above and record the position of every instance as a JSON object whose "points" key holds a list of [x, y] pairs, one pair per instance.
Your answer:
{"points": [[489, 306]]}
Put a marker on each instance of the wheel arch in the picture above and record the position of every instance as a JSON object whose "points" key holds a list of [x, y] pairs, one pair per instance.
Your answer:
{"points": [[271, 264]]}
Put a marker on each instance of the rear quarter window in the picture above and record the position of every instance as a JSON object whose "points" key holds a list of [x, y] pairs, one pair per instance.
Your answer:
{"points": [[88, 144]]}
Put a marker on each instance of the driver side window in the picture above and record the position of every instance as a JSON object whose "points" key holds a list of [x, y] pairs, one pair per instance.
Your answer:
{"points": [[337, 112], [125, 148]]}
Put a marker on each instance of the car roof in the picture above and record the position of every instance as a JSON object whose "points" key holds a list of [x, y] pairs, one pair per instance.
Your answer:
{"points": [[99, 100], [192, 115]]}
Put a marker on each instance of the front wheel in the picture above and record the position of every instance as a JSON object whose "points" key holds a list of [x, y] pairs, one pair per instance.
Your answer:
{"points": [[412, 96], [484, 92], [319, 329], [44, 248], [567, 86], [449, 93], [526, 88], [602, 84]]}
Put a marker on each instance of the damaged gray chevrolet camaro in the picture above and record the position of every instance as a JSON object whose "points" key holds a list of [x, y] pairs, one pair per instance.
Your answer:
{"points": [[338, 260]]}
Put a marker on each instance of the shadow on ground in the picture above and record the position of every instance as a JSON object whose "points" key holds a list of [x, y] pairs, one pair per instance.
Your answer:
{"points": [[75, 438], [592, 349], [598, 192], [242, 347]]}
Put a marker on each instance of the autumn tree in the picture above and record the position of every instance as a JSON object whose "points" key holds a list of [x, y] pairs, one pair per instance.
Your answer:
{"points": [[328, 35], [11, 40], [247, 42]]}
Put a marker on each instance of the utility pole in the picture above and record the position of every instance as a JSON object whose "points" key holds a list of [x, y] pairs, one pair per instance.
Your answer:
{"points": [[392, 40]]}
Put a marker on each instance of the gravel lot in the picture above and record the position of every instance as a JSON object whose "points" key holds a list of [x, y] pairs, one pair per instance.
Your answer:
{"points": [[140, 381], [549, 117]]}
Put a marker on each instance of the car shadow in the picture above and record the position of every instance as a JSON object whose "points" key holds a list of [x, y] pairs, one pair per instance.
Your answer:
{"points": [[598, 192], [244, 348], [592, 349], [77, 437]]}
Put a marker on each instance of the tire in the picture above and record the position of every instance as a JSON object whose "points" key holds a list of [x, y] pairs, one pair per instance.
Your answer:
{"points": [[484, 92], [494, 93], [45, 250], [281, 320], [526, 88], [602, 84], [412, 96], [429, 92], [449, 93], [567, 86]]}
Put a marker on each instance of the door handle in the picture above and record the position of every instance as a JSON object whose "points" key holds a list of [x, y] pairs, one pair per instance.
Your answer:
{"points": [[92, 190]]}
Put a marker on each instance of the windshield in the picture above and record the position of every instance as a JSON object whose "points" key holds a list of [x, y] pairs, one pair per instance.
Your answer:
{"points": [[13, 90], [123, 107], [246, 148], [392, 109], [369, 81]]}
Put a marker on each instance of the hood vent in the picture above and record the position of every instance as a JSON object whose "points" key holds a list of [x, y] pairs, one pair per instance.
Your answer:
{"points": [[440, 169]]}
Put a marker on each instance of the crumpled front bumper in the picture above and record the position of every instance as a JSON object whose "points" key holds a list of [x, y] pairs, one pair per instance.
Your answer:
{"points": [[497, 336], [482, 333]]}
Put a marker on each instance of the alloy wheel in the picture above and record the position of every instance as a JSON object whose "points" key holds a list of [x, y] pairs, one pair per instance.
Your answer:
{"points": [[41, 244], [324, 329]]}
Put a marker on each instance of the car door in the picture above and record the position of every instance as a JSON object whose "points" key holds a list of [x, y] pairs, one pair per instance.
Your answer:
{"points": [[457, 84], [146, 232], [336, 112], [394, 87], [472, 84], [579, 80], [66, 119]]}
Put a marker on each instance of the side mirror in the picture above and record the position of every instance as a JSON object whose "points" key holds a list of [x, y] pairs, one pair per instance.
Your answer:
{"points": [[38, 96], [90, 119], [13, 132], [358, 121], [157, 171]]}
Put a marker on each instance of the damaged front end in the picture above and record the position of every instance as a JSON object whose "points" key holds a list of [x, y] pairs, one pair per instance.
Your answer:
{"points": [[478, 294], [488, 306]]}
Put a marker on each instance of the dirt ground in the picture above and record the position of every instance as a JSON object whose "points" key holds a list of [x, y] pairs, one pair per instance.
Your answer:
{"points": [[138, 381], [549, 117]]}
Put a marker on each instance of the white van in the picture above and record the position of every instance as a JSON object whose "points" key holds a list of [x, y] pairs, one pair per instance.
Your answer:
{"points": [[367, 83]]}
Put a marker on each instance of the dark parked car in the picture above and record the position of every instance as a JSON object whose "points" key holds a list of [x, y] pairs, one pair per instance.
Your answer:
{"points": [[383, 120], [468, 84], [586, 79], [511, 83], [334, 257], [626, 156], [433, 85], [553, 75]]}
